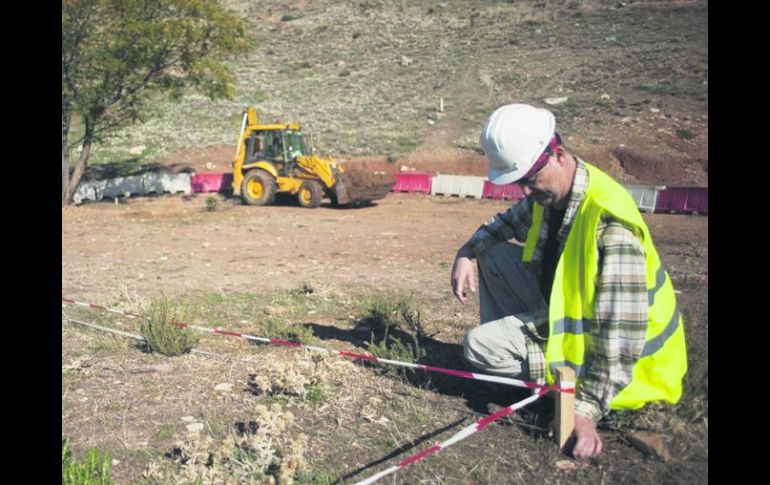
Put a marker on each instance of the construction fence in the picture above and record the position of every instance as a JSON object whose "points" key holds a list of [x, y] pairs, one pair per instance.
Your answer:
{"points": [[649, 198]]}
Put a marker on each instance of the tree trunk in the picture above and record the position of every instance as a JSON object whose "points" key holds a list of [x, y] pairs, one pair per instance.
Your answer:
{"points": [[66, 116], [80, 166]]}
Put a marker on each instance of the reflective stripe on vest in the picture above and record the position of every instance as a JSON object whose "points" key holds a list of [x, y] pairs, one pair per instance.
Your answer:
{"points": [[660, 279], [656, 343], [569, 325]]}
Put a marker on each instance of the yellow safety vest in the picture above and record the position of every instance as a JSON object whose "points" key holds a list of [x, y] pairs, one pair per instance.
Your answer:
{"points": [[658, 373]]}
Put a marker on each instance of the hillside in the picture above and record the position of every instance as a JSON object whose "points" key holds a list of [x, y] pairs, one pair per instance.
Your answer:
{"points": [[368, 79]]}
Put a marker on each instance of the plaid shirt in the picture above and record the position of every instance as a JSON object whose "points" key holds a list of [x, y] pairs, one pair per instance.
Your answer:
{"points": [[614, 343]]}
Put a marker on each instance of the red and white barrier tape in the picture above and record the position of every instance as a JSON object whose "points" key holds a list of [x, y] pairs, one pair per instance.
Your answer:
{"points": [[459, 436], [100, 307], [351, 355]]}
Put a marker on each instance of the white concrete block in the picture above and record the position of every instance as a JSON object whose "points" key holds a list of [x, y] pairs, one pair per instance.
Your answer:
{"points": [[160, 183], [645, 196], [458, 185], [92, 190], [123, 186]]}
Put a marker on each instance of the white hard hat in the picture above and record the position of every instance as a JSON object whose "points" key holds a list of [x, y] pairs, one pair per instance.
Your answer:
{"points": [[513, 139]]}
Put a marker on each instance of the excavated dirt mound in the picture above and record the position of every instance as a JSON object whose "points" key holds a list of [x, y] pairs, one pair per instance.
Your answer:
{"points": [[364, 185], [652, 170], [452, 162]]}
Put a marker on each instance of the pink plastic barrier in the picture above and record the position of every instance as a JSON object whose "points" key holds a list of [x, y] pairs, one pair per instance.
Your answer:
{"points": [[683, 200], [211, 182], [412, 182], [505, 192]]}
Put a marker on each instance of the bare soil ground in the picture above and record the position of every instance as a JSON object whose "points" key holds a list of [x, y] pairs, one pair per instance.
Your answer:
{"points": [[242, 263]]}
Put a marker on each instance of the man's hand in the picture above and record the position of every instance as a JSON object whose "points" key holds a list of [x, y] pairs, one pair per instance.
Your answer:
{"points": [[587, 444], [463, 273]]}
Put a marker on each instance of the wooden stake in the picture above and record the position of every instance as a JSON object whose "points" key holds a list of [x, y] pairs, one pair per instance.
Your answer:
{"points": [[565, 405]]}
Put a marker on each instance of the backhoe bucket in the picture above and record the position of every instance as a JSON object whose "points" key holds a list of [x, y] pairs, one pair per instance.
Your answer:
{"points": [[360, 187]]}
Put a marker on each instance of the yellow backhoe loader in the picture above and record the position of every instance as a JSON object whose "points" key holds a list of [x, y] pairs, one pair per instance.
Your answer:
{"points": [[274, 158]]}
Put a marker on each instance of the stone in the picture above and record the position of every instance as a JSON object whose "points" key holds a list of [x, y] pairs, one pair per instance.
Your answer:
{"points": [[555, 101], [650, 443], [195, 427]]}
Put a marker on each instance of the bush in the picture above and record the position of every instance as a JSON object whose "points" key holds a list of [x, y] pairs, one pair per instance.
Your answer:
{"points": [[212, 203], [393, 348], [380, 315], [385, 312], [306, 288], [94, 470], [396, 332], [160, 332], [292, 333], [685, 134]]}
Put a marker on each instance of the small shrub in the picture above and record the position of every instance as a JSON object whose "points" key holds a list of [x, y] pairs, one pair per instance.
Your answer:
{"points": [[305, 288], [396, 331], [385, 312], [685, 134], [160, 332], [380, 314], [94, 470], [393, 348], [293, 333], [212, 203], [412, 320]]}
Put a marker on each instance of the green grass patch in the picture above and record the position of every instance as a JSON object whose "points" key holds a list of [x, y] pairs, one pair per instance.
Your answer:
{"points": [[315, 396], [166, 432], [94, 470], [317, 477], [272, 310]]}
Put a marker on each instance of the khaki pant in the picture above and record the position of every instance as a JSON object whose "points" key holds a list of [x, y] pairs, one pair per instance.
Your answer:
{"points": [[509, 297]]}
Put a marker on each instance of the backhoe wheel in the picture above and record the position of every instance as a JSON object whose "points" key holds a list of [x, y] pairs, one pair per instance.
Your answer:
{"points": [[310, 194], [258, 188]]}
